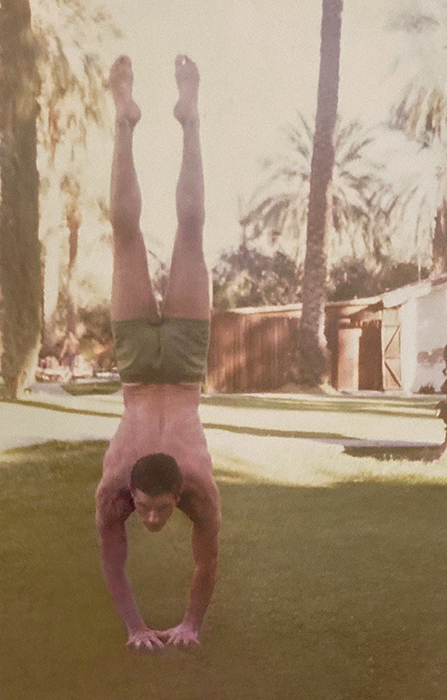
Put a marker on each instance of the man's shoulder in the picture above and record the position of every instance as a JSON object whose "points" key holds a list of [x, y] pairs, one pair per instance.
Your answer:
{"points": [[113, 501], [200, 499]]}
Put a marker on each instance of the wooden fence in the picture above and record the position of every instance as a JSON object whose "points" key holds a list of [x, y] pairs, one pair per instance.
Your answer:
{"points": [[250, 352], [255, 350]]}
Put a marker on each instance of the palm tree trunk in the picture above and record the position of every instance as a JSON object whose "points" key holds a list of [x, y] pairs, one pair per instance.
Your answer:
{"points": [[439, 264], [20, 269], [74, 223], [312, 342]]}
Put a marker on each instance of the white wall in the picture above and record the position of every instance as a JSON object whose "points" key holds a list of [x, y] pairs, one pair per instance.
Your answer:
{"points": [[431, 338], [408, 344]]}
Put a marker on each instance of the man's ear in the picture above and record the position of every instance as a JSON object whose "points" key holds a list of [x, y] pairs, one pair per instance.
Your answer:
{"points": [[177, 499]]}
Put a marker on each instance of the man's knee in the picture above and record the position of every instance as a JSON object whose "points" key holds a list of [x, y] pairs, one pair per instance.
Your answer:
{"points": [[190, 234], [191, 216], [125, 221], [127, 235]]}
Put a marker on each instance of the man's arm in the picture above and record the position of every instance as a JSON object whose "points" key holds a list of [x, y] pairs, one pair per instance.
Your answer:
{"points": [[111, 514], [205, 544]]}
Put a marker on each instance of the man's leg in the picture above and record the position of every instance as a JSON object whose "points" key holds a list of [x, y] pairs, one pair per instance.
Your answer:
{"points": [[132, 293], [188, 292]]}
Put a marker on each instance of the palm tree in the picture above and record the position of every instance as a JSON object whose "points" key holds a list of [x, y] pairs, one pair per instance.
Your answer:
{"points": [[51, 89], [278, 210], [312, 341], [72, 191], [20, 271], [421, 114], [72, 107]]}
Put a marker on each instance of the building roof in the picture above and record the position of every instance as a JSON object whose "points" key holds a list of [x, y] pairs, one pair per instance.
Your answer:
{"points": [[386, 300], [400, 296]]}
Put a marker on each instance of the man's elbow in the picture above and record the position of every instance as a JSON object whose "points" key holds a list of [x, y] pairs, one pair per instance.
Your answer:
{"points": [[101, 522], [108, 528]]}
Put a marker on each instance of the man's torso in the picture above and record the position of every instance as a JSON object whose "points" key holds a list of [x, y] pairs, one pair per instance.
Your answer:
{"points": [[161, 418]]}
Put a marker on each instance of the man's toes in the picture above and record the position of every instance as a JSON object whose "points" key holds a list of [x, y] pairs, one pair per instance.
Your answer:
{"points": [[185, 66], [123, 60], [122, 68]]}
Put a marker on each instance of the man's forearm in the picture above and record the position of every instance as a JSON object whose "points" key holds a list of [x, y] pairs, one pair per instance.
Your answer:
{"points": [[200, 597], [123, 598], [113, 556]]}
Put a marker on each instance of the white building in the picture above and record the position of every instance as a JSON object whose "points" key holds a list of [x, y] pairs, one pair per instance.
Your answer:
{"points": [[393, 341]]}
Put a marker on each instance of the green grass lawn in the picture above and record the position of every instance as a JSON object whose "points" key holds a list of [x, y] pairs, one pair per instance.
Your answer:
{"points": [[323, 593]]}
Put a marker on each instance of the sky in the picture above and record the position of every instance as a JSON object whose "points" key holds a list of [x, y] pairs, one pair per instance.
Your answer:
{"points": [[259, 62]]}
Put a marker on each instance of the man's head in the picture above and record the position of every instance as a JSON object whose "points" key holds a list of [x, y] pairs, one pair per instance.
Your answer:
{"points": [[155, 483]]}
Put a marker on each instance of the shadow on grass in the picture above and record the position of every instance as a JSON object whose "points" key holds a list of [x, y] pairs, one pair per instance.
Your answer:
{"points": [[65, 409], [323, 593], [272, 432], [382, 406], [409, 453], [92, 388]]}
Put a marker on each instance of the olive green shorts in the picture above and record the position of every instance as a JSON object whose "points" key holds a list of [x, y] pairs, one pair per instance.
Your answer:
{"points": [[170, 351]]}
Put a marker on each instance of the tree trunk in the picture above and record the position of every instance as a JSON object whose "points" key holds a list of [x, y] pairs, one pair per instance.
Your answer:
{"points": [[439, 264], [312, 342], [51, 265], [20, 269], [74, 223]]}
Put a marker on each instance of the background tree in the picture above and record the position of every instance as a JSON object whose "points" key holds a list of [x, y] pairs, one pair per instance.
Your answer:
{"points": [[71, 189], [278, 211], [247, 277], [73, 47], [352, 278], [20, 269], [421, 114], [51, 73], [312, 341]]}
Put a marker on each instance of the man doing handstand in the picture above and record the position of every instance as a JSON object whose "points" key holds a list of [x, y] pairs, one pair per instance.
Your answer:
{"points": [[158, 458]]}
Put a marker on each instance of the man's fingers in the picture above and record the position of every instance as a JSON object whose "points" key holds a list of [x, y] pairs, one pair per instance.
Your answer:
{"points": [[176, 637], [148, 644], [163, 635]]}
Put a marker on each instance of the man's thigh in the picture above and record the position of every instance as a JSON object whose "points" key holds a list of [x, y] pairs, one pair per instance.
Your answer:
{"points": [[132, 292]]}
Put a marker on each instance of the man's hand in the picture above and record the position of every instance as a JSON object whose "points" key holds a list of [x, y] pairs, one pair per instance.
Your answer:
{"points": [[144, 639], [182, 634]]}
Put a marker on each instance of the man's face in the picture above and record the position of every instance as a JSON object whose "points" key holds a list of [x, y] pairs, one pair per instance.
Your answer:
{"points": [[154, 511]]}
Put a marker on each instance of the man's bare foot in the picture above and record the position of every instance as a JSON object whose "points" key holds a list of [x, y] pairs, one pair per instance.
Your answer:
{"points": [[121, 82], [187, 77]]}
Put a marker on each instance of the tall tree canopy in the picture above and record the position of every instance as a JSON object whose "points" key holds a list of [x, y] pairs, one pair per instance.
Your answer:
{"points": [[421, 114], [278, 212]]}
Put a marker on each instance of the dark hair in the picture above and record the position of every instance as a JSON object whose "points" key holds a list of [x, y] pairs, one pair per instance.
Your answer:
{"points": [[156, 474]]}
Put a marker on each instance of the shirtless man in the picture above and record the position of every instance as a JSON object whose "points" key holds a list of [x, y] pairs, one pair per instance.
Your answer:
{"points": [[158, 458]]}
